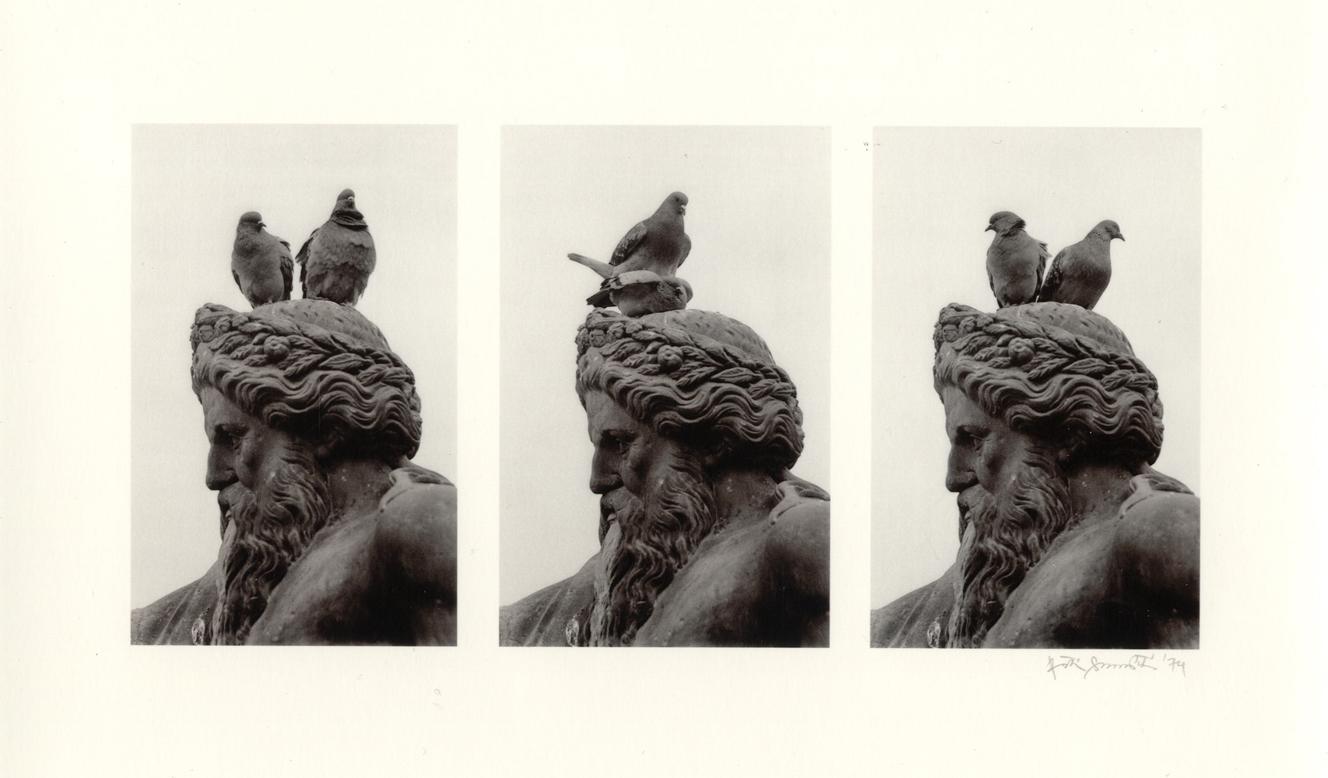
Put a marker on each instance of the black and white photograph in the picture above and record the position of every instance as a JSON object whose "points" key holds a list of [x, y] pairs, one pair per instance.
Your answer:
{"points": [[425, 348], [288, 462], [665, 291], [1028, 489]]}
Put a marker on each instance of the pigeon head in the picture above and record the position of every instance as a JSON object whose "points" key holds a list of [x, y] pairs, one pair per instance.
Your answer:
{"points": [[251, 220], [675, 203], [680, 289], [345, 214], [1004, 222], [1107, 229]]}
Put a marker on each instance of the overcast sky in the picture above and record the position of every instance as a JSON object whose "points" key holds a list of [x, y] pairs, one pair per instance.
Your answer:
{"points": [[934, 192], [190, 185], [759, 219]]}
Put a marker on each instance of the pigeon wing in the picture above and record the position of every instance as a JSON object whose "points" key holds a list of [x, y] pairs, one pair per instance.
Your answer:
{"points": [[1043, 256], [1054, 278], [303, 259], [303, 255], [629, 243], [287, 271], [684, 248]]}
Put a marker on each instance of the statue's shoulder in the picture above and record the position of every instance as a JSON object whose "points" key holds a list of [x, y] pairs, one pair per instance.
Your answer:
{"points": [[417, 496], [800, 523], [798, 540], [907, 622], [415, 530], [1156, 538], [541, 618], [1160, 516], [170, 620]]}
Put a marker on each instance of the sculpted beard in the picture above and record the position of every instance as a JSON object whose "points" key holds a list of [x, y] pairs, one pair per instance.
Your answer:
{"points": [[271, 532], [1006, 534], [656, 539]]}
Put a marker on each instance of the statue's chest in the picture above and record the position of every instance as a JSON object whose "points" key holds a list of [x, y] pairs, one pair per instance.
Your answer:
{"points": [[327, 596], [1070, 599], [716, 599]]}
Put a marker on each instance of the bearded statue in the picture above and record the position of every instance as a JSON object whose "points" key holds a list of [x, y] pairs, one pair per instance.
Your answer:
{"points": [[1068, 537], [706, 538], [330, 535]]}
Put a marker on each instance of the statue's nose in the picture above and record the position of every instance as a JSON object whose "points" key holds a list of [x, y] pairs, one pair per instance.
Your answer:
{"points": [[604, 475], [959, 471], [604, 481], [220, 471]]}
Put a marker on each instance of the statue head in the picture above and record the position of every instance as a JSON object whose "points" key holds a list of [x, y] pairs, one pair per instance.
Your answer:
{"points": [[674, 401], [1032, 394], [290, 391]]}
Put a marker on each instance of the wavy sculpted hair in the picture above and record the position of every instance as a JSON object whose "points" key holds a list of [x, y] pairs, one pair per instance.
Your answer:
{"points": [[314, 368], [695, 376], [1055, 371]]}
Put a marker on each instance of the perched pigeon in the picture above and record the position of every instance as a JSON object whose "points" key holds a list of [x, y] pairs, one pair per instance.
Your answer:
{"points": [[336, 260], [639, 292], [657, 244], [1015, 260], [1081, 271], [260, 262]]}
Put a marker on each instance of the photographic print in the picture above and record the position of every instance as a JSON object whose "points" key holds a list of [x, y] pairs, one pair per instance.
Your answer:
{"points": [[1037, 303], [665, 363], [293, 385]]}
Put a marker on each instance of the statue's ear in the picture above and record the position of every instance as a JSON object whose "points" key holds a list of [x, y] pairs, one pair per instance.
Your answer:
{"points": [[1068, 451], [715, 452], [327, 443]]}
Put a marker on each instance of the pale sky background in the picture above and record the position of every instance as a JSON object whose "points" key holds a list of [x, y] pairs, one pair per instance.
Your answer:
{"points": [[190, 185], [759, 220], [935, 189]]}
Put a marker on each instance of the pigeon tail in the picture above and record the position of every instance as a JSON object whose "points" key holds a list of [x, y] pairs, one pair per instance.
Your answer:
{"points": [[604, 269]]}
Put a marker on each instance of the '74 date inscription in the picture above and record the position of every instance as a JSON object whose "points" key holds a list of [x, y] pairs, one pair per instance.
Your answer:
{"points": [[1146, 663]]}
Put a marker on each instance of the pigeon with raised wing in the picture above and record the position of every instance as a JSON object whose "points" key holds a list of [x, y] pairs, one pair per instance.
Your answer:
{"points": [[658, 244]]}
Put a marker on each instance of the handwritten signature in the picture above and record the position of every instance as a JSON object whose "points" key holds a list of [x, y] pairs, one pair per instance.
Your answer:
{"points": [[1135, 663]]}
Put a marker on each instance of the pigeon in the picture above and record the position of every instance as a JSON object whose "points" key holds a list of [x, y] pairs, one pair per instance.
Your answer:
{"points": [[260, 262], [336, 260], [657, 244], [639, 292], [1015, 261], [1081, 271]]}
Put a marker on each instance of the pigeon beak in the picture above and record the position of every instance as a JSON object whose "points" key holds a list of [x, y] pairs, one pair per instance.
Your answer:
{"points": [[990, 229], [1122, 237]]}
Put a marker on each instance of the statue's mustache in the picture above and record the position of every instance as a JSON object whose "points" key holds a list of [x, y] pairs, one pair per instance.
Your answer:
{"points": [[617, 506]]}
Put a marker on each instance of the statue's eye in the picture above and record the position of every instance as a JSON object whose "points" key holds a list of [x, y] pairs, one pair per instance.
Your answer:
{"points": [[617, 442], [971, 438], [232, 436]]}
